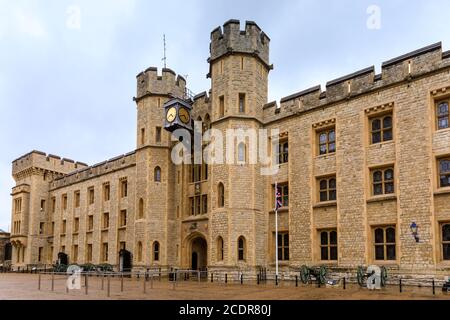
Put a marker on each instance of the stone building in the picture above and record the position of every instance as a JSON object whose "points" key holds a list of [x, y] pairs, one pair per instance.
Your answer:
{"points": [[364, 175], [5, 248]]}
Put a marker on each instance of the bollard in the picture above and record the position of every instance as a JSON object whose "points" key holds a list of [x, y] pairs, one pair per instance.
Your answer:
{"points": [[318, 283], [226, 278], [344, 283], [86, 282], [53, 281], [257, 279], [151, 281], [296, 281], [212, 277], [121, 283], [174, 282], [434, 289], [276, 280], [198, 276], [400, 285], [103, 278], [39, 282], [108, 291], [159, 274], [242, 278]]}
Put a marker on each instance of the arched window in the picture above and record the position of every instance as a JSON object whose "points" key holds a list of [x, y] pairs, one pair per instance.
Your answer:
{"points": [[219, 248], [156, 251], [241, 249], [241, 152], [139, 251], [221, 195], [141, 208], [157, 174]]}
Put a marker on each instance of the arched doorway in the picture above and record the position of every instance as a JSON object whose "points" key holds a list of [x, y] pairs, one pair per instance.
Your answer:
{"points": [[199, 254], [125, 258]]}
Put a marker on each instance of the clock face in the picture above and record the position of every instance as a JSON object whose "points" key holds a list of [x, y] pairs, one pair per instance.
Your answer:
{"points": [[171, 114], [184, 115]]}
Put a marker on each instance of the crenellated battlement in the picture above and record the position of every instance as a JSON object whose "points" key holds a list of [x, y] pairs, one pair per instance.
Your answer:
{"points": [[49, 162], [149, 82], [407, 67], [252, 40]]}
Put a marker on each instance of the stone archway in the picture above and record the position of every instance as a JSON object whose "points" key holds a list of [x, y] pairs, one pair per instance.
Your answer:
{"points": [[195, 250], [199, 254]]}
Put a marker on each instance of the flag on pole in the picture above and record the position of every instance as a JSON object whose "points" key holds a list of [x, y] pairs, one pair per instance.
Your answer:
{"points": [[278, 201]]}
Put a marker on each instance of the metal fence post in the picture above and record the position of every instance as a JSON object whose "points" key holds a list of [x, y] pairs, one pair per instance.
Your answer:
{"points": [[145, 283], [434, 289], [344, 284], [103, 280], [86, 282], [276, 280], [400, 285], [296, 281], [242, 278], [198, 276], [108, 287], [39, 282], [53, 281], [212, 277], [226, 278], [121, 283]]}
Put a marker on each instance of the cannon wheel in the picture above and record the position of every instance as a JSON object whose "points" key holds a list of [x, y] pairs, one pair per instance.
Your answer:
{"points": [[384, 276], [305, 275], [360, 276], [323, 271]]}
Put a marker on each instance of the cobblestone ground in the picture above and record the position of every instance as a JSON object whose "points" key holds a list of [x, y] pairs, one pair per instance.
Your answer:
{"points": [[25, 287]]}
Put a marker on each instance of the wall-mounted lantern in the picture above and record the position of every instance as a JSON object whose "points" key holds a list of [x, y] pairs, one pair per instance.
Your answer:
{"points": [[415, 231]]}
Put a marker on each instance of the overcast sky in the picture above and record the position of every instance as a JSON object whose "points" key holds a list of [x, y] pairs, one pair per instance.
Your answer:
{"points": [[67, 68]]}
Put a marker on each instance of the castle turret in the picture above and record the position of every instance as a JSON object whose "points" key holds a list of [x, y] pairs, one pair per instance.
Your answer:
{"points": [[239, 68]]}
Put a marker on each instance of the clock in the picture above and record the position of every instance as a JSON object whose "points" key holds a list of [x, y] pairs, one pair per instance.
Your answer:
{"points": [[171, 114], [184, 115]]}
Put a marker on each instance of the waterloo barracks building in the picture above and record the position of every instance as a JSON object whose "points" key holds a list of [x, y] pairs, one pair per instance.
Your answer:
{"points": [[361, 162]]}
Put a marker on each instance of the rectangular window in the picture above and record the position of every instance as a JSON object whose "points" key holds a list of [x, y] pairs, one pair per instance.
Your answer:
{"points": [[89, 252], [204, 204], [53, 228], [327, 141], [197, 205], [105, 222], [444, 172], [123, 218], [42, 228], [241, 102], [381, 129], [91, 195], [64, 201], [75, 253], [105, 252], [76, 225], [77, 197], [221, 106], [53, 205], [106, 192], [123, 188], [283, 189], [445, 241], [42, 205], [158, 135], [90, 225], [122, 245], [328, 245], [142, 136], [18, 205], [283, 246], [283, 152], [63, 227], [327, 189], [442, 115], [382, 181], [384, 243], [40, 254], [191, 206]]}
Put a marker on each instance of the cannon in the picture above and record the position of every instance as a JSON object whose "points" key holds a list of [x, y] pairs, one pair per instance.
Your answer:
{"points": [[60, 267], [362, 275], [319, 273]]}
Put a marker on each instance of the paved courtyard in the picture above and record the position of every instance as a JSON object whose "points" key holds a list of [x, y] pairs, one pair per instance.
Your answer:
{"points": [[25, 287]]}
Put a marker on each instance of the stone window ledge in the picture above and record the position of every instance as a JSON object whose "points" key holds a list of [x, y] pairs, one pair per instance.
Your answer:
{"points": [[105, 230], [122, 228], [281, 210], [382, 198], [326, 156], [440, 191], [381, 144], [325, 204]]}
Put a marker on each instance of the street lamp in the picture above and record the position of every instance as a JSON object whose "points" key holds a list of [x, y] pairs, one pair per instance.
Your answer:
{"points": [[414, 230]]}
